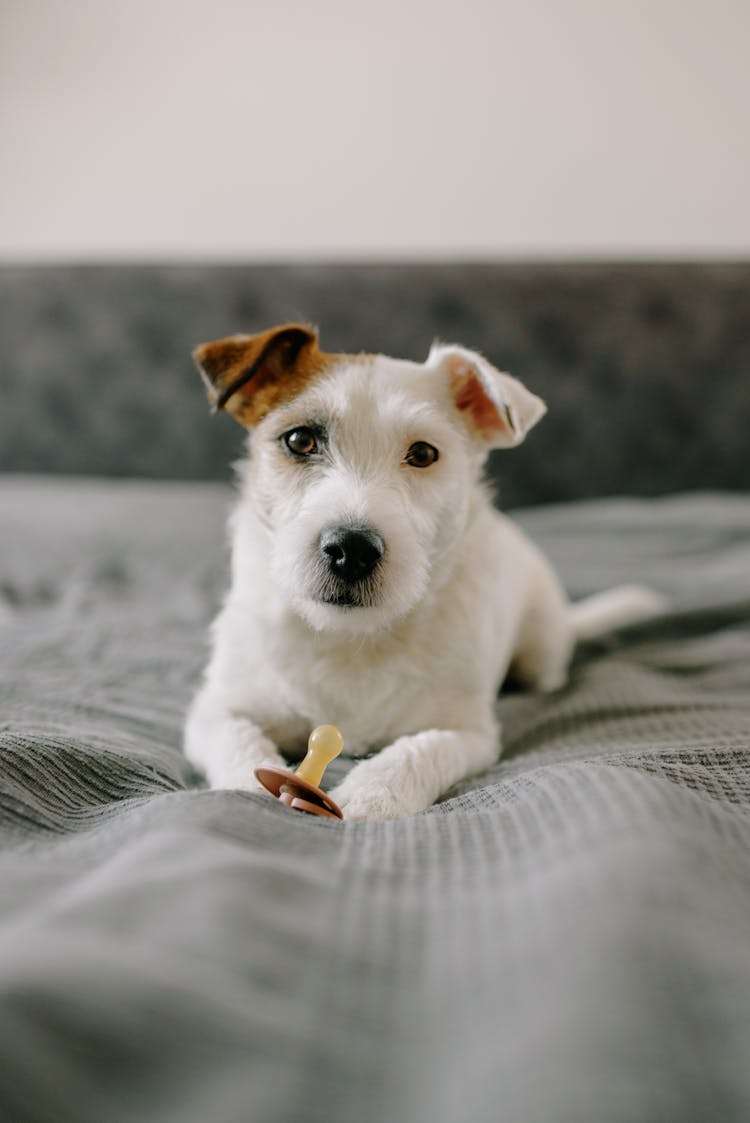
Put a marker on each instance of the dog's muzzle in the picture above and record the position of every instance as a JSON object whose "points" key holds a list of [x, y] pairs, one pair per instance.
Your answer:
{"points": [[351, 555]]}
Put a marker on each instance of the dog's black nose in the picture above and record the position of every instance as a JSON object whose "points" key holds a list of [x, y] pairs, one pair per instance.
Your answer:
{"points": [[351, 552]]}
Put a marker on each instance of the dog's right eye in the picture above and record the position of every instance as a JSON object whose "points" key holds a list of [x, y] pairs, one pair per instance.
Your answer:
{"points": [[301, 441]]}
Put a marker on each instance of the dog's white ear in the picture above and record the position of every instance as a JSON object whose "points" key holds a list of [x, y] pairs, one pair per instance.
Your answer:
{"points": [[497, 407], [249, 374]]}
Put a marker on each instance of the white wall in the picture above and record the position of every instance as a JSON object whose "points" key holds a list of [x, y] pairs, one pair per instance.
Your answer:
{"points": [[379, 129]]}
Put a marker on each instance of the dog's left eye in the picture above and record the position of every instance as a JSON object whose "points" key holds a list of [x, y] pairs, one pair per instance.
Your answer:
{"points": [[301, 442], [421, 455]]}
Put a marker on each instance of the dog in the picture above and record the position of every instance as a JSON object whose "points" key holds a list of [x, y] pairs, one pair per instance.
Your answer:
{"points": [[373, 584]]}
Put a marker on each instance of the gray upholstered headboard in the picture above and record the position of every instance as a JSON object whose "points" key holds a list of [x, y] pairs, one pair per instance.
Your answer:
{"points": [[646, 368]]}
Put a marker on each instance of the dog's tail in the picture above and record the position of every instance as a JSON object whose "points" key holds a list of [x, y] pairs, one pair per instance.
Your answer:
{"points": [[616, 608]]}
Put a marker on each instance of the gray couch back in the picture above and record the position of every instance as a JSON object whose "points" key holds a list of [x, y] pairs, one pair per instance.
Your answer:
{"points": [[645, 368]]}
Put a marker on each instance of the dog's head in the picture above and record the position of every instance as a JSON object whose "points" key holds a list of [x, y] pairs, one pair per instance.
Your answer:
{"points": [[364, 468]]}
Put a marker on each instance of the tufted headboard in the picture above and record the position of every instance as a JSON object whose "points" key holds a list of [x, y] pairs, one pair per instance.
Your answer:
{"points": [[645, 368]]}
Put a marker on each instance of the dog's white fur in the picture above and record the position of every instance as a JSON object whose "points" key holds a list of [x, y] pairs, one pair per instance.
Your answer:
{"points": [[461, 593]]}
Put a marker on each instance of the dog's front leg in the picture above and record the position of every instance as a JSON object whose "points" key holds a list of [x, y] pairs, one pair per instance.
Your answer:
{"points": [[227, 747], [410, 774]]}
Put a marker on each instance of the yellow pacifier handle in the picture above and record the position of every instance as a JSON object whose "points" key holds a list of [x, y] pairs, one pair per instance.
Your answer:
{"points": [[324, 745]]}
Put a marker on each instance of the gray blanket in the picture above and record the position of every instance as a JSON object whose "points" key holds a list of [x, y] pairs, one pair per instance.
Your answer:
{"points": [[563, 939]]}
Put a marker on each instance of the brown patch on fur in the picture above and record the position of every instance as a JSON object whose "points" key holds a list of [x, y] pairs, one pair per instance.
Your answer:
{"points": [[248, 375], [471, 397]]}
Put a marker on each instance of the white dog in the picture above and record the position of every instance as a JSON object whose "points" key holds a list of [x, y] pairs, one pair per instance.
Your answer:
{"points": [[374, 586]]}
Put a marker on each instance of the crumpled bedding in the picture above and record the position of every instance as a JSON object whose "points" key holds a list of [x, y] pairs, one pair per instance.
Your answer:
{"points": [[564, 938]]}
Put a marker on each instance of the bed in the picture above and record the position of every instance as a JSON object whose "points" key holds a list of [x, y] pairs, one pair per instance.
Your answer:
{"points": [[563, 938]]}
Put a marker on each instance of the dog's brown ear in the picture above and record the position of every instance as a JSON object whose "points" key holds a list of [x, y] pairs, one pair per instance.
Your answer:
{"points": [[497, 407], [248, 375]]}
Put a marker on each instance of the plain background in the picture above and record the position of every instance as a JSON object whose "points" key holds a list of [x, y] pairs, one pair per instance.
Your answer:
{"points": [[294, 129]]}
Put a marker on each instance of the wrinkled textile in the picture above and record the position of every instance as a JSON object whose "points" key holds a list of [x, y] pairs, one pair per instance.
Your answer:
{"points": [[565, 938]]}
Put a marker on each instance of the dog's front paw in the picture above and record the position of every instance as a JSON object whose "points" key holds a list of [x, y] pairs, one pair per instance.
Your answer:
{"points": [[363, 795], [240, 775]]}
